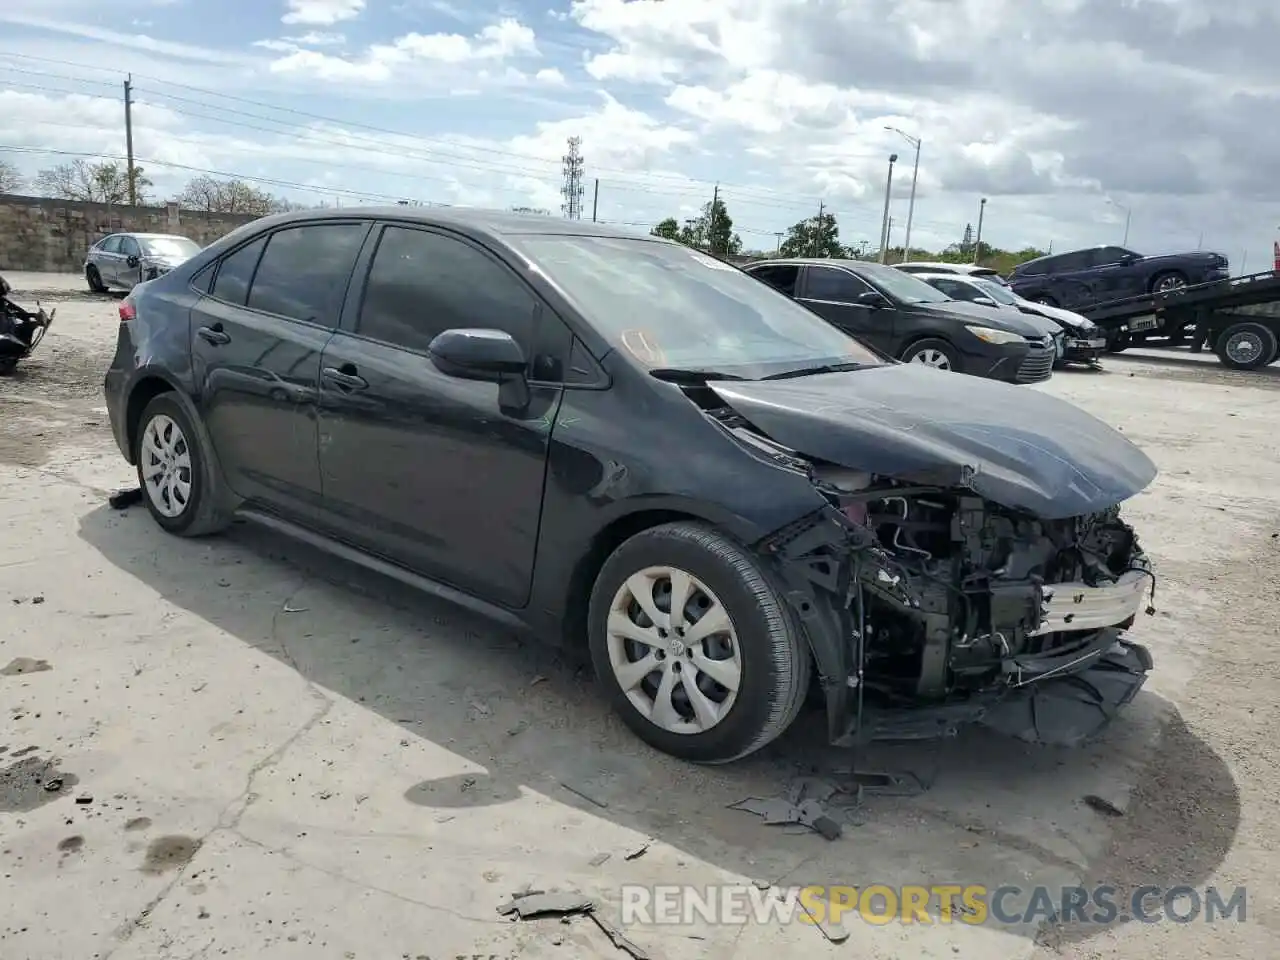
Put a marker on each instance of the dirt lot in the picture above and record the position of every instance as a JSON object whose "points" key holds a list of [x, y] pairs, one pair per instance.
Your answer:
{"points": [[264, 754]]}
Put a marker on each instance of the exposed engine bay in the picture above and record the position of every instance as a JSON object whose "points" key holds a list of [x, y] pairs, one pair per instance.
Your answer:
{"points": [[947, 608]]}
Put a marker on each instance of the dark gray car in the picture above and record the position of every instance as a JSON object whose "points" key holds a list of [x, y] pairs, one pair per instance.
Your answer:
{"points": [[123, 260]]}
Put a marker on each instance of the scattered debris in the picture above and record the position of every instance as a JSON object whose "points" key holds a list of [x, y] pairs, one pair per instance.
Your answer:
{"points": [[616, 938], [639, 851], [444, 817], [21, 665], [84, 799], [797, 808], [123, 499], [138, 823], [585, 796], [53, 784], [1103, 805], [537, 680], [599, 859], [538, 904], [290, 609], [518, 729], [531, 903], [198, 687], [37, 599], [71, 844], [832, 930], [480, 708]]}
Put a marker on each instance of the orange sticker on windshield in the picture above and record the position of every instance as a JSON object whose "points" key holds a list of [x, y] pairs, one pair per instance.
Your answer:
{"points": [[644, 347]]}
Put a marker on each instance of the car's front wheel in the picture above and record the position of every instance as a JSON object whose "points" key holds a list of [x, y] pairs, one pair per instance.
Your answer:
{"points": [[178, 484], [94, 280], [933, 353], [697, 648]]}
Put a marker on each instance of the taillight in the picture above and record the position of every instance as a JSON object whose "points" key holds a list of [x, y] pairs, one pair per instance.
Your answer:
{"points": [[127, 310]]}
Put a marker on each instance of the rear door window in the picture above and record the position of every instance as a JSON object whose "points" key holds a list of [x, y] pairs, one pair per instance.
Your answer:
{"points": [[782, 277], [304, 272], [834, 285], [234, 273]]}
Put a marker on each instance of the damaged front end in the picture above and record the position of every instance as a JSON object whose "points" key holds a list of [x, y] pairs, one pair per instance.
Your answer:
{"points": [[21, 330], [928, 607]]}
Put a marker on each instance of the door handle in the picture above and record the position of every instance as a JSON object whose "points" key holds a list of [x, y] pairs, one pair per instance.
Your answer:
{"points": [[214, 335], [344, 379]]}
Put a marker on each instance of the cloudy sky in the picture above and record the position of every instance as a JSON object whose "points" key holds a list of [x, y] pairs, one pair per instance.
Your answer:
{"points": [[1065, 114]]}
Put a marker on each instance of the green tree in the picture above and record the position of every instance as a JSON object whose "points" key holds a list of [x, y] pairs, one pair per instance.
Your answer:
{"points": [[668, 229], [718, 229], [815, 237]]}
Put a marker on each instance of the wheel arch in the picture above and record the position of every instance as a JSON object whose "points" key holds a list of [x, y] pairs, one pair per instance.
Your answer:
{"points": [[633, 518], [149, 385]]}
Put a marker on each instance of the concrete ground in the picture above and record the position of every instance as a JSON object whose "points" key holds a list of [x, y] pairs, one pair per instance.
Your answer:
{"points": [[262, 753]]}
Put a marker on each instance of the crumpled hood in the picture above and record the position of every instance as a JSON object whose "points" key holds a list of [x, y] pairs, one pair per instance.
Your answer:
{"points": [[1016, 446], [1067, 318]]}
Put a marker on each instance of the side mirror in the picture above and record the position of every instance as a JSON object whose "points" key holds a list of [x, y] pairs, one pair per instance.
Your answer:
{"points": [[477, 354], [985, 301], [133, 260], [872, 299]]}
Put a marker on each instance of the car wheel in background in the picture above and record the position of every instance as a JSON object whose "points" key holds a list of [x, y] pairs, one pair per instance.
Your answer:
{"points": [[94, 279], [1246, 346], [698, 650], [178, 484], [933, 353], [1165, 282]]}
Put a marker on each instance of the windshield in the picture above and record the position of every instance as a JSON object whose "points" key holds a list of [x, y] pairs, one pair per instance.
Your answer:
{"points": [[996, 292], [673, 307], [179, 247], [900, 286]]}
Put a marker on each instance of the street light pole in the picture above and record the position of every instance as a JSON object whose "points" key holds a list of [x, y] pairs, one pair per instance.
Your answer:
{"points": [[884, 221], [911, 203], [977, 246], [1128, 217]]}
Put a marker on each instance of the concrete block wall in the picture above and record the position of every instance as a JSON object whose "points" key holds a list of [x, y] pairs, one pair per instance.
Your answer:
{"points": [[38, 234]]}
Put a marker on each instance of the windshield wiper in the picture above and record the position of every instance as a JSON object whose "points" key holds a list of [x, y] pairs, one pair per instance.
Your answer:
{"points": [[821, 368], [681, 375]]}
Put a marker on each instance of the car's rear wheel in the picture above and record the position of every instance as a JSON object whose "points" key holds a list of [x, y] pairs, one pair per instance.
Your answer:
{"points": [[698, 650], [933, 353], [94, 279], [178, 484]]}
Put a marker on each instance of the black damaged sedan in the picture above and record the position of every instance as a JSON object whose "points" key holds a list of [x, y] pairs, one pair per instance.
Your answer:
{"points": [[626, 446]]}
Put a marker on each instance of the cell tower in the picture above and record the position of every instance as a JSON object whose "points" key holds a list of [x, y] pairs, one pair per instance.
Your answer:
{"points": [[573, 180]]}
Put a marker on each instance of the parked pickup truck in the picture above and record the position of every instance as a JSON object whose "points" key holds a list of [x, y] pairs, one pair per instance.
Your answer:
{"points": [[1083, 279]]}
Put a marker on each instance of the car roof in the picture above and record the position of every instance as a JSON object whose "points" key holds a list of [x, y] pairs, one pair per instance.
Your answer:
{"points": [[495, 223], [943, 275], [952, 269]]}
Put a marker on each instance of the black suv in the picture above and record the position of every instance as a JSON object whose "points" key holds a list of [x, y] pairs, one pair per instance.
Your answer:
{"points": [[905, 318], [1085, 278]]}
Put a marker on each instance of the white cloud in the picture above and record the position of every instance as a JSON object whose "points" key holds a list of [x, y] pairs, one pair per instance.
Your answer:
{"points": [[550, 76], [322, 13]]}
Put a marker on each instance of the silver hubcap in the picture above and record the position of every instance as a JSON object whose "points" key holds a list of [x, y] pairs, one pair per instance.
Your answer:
{"points": [[1169, 283], [1244, 347], [166, 466], [674, 650], [932, 358]]}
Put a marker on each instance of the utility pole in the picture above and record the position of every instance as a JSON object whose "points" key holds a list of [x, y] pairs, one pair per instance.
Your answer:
{"points": [[977, 246], [884, 222], [572, 189], [889, 239], [778, 248], [128, 139], [818, 227], [595, 200]]}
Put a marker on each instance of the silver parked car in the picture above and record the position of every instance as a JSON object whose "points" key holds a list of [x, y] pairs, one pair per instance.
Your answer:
{"points": [[123, 260]]}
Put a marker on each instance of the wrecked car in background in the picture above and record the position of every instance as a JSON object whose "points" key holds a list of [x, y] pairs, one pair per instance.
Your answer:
{"points": [[123, 260], [621, 443], [21, 330]]}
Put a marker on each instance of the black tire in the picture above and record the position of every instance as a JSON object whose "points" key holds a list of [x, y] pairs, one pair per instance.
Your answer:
{"points": [[94, 279], [952, 355], [1246, 346], [202, 513], [1119, 343], [773, 652], [1166, 281]]}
